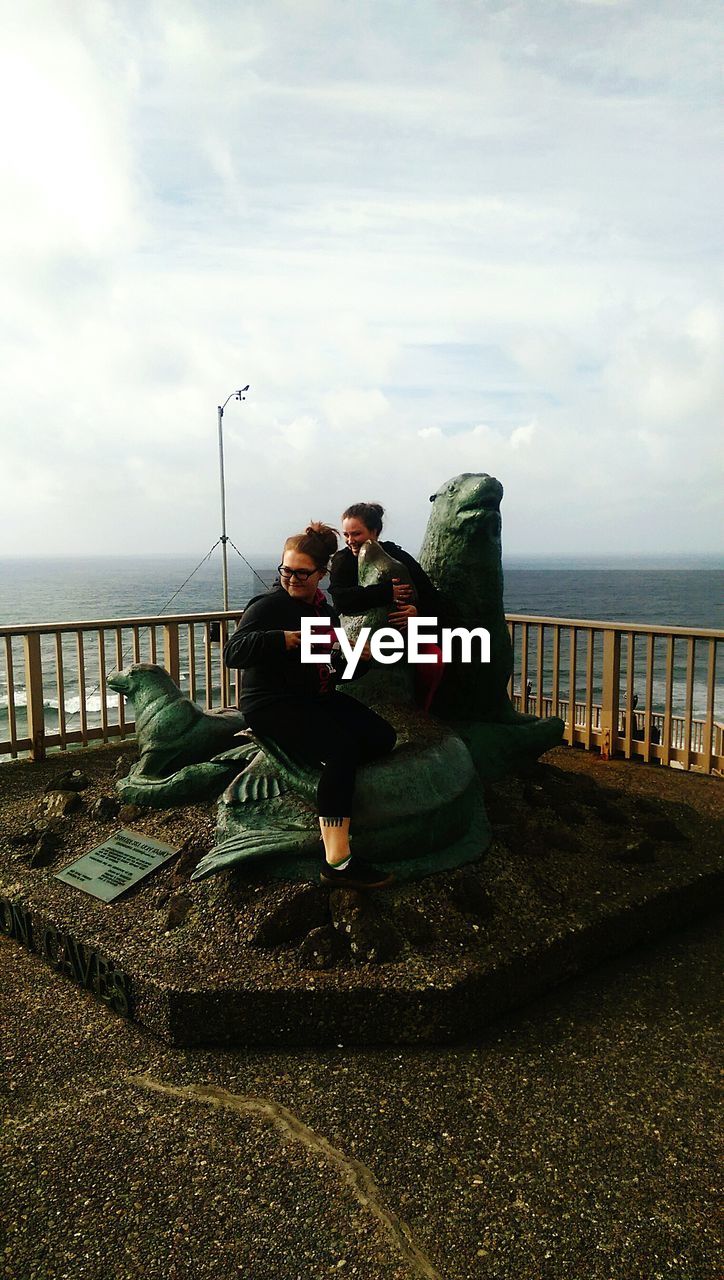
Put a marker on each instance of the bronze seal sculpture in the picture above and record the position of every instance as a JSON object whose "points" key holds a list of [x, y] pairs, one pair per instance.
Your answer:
{"points": [[420, 809]]}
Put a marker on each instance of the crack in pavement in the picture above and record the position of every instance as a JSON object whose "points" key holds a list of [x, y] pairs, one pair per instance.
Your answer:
{"points": [[356, 1174]]}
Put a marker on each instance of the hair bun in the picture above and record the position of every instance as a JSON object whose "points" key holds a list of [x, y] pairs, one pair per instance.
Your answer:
{"points": [[319, 542], [369, 513], [326, 534]]}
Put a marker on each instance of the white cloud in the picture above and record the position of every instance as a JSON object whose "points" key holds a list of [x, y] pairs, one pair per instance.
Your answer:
{"points": [[667, 367], [353, 409], [522, 436], [460, 238], [65, 154]]}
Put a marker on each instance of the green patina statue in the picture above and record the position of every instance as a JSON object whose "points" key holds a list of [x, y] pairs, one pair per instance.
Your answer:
{"points": [[462, 554], [172, 730], [421, 808]]}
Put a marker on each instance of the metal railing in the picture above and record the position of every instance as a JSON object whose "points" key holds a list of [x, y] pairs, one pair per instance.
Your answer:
{"points": [[62, 697], [636, 690], [602, 669]]}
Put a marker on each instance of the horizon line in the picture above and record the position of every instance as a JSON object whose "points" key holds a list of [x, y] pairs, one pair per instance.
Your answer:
{"points": [[540, 556]]}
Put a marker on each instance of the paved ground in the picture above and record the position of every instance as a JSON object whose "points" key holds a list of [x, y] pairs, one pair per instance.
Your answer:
{"points": [[575, 1142]]}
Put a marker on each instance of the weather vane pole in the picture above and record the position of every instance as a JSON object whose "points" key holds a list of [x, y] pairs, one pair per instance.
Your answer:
{"points": [[239, 395]]}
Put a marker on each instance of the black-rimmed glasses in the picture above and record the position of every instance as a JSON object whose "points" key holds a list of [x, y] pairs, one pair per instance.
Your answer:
{"points": [[301, 574]]}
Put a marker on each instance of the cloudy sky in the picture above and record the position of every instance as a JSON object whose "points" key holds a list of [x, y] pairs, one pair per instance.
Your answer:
{"points": [[434, 236]]}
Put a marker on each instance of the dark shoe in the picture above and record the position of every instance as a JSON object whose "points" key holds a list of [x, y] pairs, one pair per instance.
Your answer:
{"points": [[356, 875]]}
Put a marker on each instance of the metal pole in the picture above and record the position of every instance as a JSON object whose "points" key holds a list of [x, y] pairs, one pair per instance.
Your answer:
{"points": [[224, 564]]}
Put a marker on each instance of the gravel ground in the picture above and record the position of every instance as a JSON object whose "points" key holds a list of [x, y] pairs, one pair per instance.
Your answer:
{"points": [[575, 1141]]}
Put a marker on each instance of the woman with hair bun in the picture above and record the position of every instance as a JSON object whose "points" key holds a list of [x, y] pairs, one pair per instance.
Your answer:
{"points": [[296, 705], [362, 522]]}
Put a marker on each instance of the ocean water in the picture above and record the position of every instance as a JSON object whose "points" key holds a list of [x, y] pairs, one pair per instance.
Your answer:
{"points": [[87, 588], [109, 588]]}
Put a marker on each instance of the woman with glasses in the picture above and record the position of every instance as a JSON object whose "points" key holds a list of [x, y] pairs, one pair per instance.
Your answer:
{"points": [[296, 705], [362, 522]]}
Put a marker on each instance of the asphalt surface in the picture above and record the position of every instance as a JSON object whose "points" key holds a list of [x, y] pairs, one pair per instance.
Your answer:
{"points": [[576, 1140]]}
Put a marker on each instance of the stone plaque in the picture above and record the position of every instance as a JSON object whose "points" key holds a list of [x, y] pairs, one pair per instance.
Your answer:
{"points": [[121, 861]]}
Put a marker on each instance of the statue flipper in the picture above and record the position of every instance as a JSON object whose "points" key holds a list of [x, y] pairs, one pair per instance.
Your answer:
{"points": [[249, 845], [195, 782], [498, 748]]}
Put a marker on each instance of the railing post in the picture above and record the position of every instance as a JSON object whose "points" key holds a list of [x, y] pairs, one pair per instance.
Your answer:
{"points": [[171, 650], [610, 692], [34, 695]]}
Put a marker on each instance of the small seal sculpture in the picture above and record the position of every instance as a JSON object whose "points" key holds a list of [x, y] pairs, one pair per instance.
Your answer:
{"points": [[172, 731], [420, 809]]}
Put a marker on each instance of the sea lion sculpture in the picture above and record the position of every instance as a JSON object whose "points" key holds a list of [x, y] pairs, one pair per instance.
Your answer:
{"points": [[462, 554], [421, 808], [172, 731]]}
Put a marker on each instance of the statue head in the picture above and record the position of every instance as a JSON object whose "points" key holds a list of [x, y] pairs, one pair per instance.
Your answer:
{"points": [[465, 516]]}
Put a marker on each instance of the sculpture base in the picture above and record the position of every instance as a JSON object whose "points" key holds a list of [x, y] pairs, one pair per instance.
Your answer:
{"points": [[577, 872]]}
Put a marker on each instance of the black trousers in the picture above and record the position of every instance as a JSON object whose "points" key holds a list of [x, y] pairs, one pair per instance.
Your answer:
{"points": [[333, 731]]}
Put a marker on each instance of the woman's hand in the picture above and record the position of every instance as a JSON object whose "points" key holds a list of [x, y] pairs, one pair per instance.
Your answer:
{"points": [[292, 639], [401, 591], [401, 615]]}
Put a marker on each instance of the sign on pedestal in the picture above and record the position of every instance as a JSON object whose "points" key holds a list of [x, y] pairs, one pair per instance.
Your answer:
{"points": [[117, 864]]}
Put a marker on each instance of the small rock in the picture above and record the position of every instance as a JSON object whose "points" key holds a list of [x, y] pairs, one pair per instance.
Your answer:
{"points": [[375, 940], [358, 918], [70, 780], [21, 838], [302, 908], [179, 906], [130, 813], [123, 767], [57, 804], [346, 906], [191, 852], [470, 896], [638, 853], [105, 808], [322, 948], [45, 849]]}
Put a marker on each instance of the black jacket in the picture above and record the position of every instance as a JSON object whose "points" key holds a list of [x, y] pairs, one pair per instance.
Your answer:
{"points": [[273, 673], [350, 598]]}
